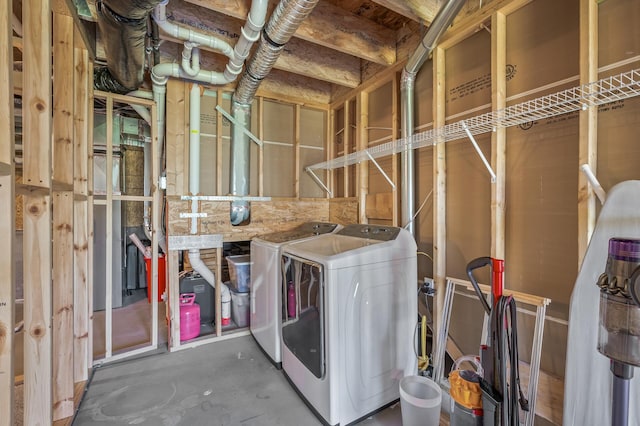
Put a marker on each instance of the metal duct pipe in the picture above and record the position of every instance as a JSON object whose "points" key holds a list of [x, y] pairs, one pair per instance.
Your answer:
{"points": [[123, 24], [440, 23], [283, 23]]}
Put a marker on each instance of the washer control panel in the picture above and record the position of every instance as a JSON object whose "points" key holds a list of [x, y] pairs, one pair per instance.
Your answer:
{"points": [[373, 232]]}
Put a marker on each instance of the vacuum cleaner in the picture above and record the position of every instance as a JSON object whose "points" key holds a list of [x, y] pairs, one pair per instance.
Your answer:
{"points": [[502, 397], [619, 323]]}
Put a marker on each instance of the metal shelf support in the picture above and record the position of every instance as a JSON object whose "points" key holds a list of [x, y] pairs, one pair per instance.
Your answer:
{"points": [[479, 151]]}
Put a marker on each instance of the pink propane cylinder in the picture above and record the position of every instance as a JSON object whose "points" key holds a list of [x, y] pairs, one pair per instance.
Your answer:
{"points": [[189, 317]]}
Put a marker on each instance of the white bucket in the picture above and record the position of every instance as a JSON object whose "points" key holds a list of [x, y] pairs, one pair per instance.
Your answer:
{"points": [[420, 399]]}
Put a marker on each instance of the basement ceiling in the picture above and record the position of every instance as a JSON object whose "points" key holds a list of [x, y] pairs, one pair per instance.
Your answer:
{"points": [[340, 45]]}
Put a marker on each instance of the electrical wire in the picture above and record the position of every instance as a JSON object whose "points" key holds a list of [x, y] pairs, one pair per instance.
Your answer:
{"points": [[425, 254]]}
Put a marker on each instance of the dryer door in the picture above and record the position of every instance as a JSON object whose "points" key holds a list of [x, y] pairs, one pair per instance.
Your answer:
{"points": [[303, 317]]}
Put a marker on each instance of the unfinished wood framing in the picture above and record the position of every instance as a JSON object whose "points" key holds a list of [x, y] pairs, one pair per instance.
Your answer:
{"points": [[108, 226], [219, 142], [439, 192], [471, 24], [90, 260], [346, 140], [62, 204], [362, 112], [296, 150], [155, 198], [7, 212], [327, 26], [395, 158], [37, 111], [175, 141], [498, 138], [260, 148], [588, 130], [81, 224], [156, 208]]}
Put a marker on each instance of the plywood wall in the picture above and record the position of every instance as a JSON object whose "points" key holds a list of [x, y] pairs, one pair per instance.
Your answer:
{"points": [[266, 216]]}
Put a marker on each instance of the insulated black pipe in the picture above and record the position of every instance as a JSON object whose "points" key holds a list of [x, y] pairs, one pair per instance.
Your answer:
{"points": [[123, 25]]}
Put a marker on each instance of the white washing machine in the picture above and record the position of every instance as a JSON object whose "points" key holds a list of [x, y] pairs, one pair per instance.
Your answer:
{"points": [[266, 305], [350, 300]]}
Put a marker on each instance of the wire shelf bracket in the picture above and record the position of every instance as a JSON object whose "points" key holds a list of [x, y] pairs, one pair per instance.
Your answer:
{"points": [[479, 151], [319, 181], [384, 174]]}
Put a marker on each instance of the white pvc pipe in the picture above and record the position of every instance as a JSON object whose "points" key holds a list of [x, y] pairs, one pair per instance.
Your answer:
{"points": [[250, 33], [142, 111], [161, 72], [187, 34], [190, 58], [593, 181]]}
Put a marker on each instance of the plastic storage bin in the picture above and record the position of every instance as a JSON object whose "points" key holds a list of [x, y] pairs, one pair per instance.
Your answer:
{"points": [[240, 272], [162, 280], [420, 400], [240, 312]]}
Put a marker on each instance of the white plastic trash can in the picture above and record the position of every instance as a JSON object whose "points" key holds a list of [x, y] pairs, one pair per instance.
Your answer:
{"points": [[420, 400]]}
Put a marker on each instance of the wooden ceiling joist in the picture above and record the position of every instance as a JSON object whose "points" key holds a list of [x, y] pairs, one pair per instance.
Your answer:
{"points": [[296, 59], [419, 11], [328, 26], [298, 56]]}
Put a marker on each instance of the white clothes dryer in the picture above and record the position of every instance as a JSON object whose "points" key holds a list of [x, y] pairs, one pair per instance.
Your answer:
{"points": [[348, 337], [266, 305]]}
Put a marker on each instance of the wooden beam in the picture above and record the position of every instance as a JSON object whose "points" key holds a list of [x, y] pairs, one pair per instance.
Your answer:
{"points": [[62, 203], [395, 158], [419, 11], [498, 138], [288, 87], [219, 142], [439, 191], [329, 26], [296, 149], [346, 139], [89, 276], [63, 125], [81, 88], [175, 140], [261, 148], [63, 224], [156, 208], [17, 43], [362, 112], [37, 211], [298, 57], [108, 238], [588, 124], [471, 24], [7, 223], [295, 88]]}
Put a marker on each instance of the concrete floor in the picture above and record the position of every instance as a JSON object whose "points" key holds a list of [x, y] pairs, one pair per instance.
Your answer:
{"points": [[224, 383]]}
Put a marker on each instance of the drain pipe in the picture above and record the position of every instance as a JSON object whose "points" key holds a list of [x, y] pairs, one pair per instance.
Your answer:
{"points": [[440, 23], [194, 187], [284, 21]]}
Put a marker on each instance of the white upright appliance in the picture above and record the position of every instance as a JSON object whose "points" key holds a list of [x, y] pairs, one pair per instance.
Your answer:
{"points": [[351, 303], [266, 305]]}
